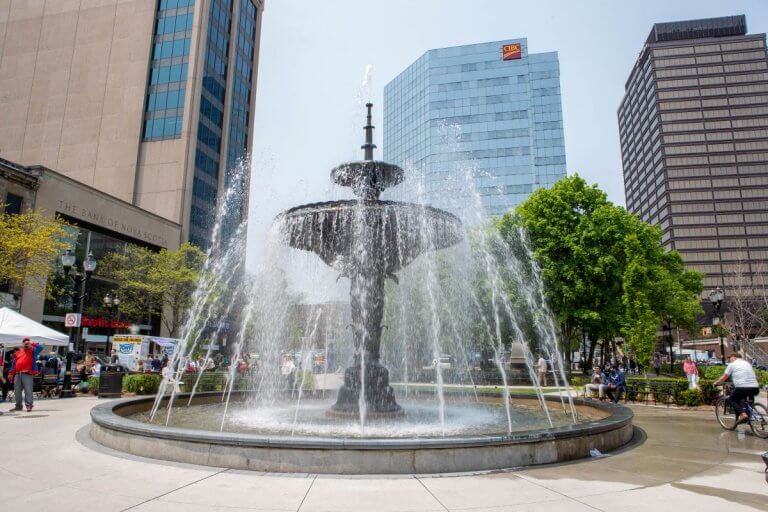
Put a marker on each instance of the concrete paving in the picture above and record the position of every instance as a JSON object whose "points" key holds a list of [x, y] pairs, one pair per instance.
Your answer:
{"points": [[682, 459]]}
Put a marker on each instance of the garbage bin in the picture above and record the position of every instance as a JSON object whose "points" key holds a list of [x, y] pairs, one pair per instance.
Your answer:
{"points": [[111, 382]]}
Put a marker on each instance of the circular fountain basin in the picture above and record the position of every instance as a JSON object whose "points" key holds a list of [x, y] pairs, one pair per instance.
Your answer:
{"points": [[475, 436]]}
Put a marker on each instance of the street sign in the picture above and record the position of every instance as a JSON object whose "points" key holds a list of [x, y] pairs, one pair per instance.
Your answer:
{"points": [[72, 320]]}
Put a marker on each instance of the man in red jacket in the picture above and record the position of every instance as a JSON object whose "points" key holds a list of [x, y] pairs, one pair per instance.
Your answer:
{"points": [[23, 370]]}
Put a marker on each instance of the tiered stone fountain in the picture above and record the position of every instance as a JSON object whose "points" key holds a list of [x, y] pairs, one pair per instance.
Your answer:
{"points": [[368, 241]]}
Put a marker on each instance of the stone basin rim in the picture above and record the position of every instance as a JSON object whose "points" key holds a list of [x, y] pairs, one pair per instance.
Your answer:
{"points": [[105, 416]]}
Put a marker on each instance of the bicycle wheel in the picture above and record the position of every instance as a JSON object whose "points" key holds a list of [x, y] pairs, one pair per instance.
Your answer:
{"points": [[759, 421], [725, 415]]}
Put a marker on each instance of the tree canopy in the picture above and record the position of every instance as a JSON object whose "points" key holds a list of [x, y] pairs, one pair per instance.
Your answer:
{"points": [[29, 245], [606, 273], [155, 283]]}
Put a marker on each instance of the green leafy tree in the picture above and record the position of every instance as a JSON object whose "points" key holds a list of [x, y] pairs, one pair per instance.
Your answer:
{"points": [[606, 273], [175, 275], [156, 283], [573, 228], [657, 289], [29, 245]]}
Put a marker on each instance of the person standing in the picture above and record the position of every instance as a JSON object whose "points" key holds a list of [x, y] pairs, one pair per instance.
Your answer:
{"points": [[23, 370], [691, 372], [541, 367], [5, 383], [657, 363], [744, 382]]}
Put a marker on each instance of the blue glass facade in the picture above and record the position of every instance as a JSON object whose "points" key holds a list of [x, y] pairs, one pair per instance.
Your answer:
{"points": [[164, 111], [211, 124], [223, 62], [508, 114], [241, 86]]}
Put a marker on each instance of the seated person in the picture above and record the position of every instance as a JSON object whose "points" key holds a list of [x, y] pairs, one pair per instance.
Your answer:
{"points": [[616, 384], [596, 384]]}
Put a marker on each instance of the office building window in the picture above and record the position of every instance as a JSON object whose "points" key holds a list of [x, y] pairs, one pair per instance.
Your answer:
{"points": [[13, 203]]}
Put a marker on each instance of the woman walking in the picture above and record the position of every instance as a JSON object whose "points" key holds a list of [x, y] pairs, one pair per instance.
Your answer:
{"points": [[691, 372]]}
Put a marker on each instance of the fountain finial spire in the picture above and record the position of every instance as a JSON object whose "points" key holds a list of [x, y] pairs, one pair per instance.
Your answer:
{"points": [[369, 146]]}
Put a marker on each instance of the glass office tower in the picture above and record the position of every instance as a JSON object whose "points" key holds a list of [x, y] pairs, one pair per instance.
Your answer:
{"points": [[491, 111], [151, 103]]}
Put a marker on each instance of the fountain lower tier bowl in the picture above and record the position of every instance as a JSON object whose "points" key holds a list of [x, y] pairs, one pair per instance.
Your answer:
{"points": [[474, 435], [385, 234]]}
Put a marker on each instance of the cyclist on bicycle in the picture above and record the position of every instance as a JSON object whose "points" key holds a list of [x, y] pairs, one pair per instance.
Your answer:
{"points": [[744, 383]]}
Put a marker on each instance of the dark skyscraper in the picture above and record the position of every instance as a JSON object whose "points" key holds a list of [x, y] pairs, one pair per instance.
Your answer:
{"points": [[693, 125]]}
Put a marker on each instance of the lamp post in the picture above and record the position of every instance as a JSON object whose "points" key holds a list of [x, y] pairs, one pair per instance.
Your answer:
{"points": [[716, 297], [667, 326], [79, 292], [113, 306]]}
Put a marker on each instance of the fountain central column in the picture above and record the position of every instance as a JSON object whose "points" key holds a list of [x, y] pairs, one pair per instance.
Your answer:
{"points": [[367, 376]]}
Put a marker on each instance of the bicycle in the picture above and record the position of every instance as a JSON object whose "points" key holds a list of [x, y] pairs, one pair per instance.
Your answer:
{"points": [[726, 416]]}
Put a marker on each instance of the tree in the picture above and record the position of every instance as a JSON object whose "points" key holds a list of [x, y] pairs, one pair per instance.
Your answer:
{"points": [[746, 293], [605, 271], [175, 274], [152, 283], [574, 231], [29, 245], [657, 289]]}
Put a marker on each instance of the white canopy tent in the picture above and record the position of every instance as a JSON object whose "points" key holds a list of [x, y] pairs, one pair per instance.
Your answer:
{"points": [[14, 327]]}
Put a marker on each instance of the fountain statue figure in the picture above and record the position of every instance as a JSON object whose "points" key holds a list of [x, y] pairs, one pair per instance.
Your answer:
{"points": [[368, 240]]}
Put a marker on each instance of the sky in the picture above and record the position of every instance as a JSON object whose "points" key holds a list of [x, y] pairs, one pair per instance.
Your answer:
{"points": [[314, 56]]}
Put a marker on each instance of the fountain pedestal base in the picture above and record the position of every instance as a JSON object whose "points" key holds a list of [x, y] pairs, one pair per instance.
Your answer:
{"points": [[379, 396]]}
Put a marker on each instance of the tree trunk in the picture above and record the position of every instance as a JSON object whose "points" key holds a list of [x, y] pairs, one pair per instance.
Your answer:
{"points": [[591, 357]]}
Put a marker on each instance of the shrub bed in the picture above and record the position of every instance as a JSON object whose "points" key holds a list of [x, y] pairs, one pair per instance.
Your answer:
{"points": [[93, 385], [142, 383]]}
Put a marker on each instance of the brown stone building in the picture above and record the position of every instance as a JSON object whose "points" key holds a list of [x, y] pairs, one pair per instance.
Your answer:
{"points": [[694, 139], [101, 224], [149, 101]]}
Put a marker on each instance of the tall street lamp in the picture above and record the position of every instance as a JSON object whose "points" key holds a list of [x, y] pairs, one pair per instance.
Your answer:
{"points": [[667, 326], [113, 306], [716, 297], [79, 292]]}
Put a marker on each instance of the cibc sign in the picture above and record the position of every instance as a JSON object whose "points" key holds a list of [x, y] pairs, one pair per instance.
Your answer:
{"points": [[512, 51]]}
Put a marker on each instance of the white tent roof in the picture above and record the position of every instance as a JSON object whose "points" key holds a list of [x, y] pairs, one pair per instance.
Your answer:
{"points": [[14, 327]]}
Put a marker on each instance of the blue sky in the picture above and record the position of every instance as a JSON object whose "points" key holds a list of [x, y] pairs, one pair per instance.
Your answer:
{"points": [[314, 55]]}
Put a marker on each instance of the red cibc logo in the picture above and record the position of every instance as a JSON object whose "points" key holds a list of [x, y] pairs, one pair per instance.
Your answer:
{"points": [[512, 51]]}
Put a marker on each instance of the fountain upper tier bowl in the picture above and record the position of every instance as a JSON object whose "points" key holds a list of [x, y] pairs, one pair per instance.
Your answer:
{"points": [[367, 178], [395, 233]]}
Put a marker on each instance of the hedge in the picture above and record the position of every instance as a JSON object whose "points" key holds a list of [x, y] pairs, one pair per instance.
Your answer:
{"points": [[142, 383], [93, 384], [667, 390], [209, 381], [715, 372]]}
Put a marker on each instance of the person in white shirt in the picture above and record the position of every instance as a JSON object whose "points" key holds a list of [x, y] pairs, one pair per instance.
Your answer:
{"points": [[744, 382], [541, 368], [596, 384]]}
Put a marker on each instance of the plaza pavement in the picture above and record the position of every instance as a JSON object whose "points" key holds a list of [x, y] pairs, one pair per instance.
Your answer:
{"points": [[681, 461]]}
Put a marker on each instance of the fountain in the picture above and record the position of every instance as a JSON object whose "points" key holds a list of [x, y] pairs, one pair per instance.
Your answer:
{"points": [[388, 250], [368, 241]]}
